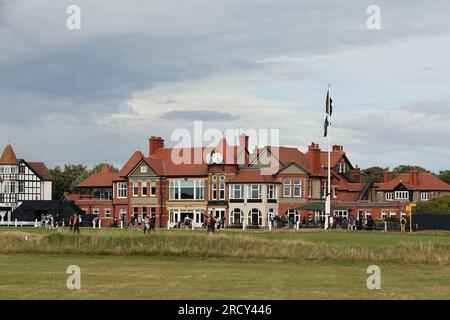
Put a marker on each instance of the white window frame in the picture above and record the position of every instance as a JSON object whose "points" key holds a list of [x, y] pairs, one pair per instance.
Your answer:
{"points": [[121, 190], [176, 184], [135, 188], [144, 185], [367, 213], [214, 188], [251, 188], [272, 191], [96, 211], [152, 185], [392, 214], [107, 213], [287, 185], [389, 196], [424, 196], [222, 188], [144, 169], [383, 214], [401, 195], [297, 183], [235, 187]]}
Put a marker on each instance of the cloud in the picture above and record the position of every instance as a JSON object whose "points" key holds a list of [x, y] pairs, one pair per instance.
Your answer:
{"points": [[202, 115], [135, 65]]}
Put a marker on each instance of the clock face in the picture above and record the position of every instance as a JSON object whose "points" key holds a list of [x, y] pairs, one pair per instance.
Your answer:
{"points": [[217, 158]]}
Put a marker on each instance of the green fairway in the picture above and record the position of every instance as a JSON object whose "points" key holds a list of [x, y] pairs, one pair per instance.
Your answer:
{"points": [[106, 277], [231, 264]]}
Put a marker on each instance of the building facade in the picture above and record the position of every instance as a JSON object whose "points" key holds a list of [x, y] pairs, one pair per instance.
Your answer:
{"points": [[245, 188], [21, 181]]}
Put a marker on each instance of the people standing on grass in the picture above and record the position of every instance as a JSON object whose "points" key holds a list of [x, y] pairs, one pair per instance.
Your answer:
{"points": [[71, 219], [152, 223], [146, 224], [369, 223], [403, 224], [210, 222], [351, 222], [76, 223]]}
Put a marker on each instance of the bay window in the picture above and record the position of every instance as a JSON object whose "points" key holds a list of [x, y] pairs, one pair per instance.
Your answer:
{"points": [[186, 189], [236, 191], [255, 191], [121, 190]]}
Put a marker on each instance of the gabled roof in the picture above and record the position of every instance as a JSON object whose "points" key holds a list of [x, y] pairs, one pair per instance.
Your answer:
{"points": [[284, 155], [8, 156], [104, 178], [135, 158], [252, 175], [426, 181], [183, 161], [41, 170]]}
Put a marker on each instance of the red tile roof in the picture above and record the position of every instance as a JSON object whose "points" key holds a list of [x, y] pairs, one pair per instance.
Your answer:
{"points": [[8, 156], [104, 178], [41, 169], [183, 161], [252, 176], [426, 181], [135, 158]]}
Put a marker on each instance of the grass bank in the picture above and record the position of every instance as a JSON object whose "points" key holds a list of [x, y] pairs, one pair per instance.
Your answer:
{"points": [[222, 245]]}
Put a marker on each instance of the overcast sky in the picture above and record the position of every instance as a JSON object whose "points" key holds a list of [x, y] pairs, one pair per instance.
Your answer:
{"points": [[139, 68]]}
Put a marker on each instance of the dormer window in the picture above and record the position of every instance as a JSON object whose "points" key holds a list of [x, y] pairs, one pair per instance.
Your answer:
{"points": [[342, 168]]}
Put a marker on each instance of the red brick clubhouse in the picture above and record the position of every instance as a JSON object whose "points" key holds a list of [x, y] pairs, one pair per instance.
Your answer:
{"points": [[238, 186]]}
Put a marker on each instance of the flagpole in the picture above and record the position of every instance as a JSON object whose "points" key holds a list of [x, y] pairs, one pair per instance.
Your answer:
{"points": [[328, 199]]}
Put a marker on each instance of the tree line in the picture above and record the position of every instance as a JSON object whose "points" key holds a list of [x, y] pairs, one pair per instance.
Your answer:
{"points": [[66, 179]]}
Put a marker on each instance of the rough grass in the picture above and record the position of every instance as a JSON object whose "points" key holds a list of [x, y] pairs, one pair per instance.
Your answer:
{"points": [[236, 246]]}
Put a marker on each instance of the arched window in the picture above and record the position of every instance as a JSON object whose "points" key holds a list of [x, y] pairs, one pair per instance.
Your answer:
{"points": [[236, 217], [214, 188], [222, 188], [254, 217]]}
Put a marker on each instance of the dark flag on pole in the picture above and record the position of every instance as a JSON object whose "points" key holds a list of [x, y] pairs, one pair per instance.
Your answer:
{"points": [[329, 111], [329, 106]]}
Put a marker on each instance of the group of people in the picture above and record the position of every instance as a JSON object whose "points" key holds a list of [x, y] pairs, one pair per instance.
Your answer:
{"points": [[358, 224], [74, 223], [149, 224]]}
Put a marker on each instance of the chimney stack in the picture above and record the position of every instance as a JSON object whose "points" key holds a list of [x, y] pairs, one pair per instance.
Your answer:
{"points": [[155, 143], [414, 176], [386, 175], [338, 148], [357, 173], [243, 142], [314, 158]]}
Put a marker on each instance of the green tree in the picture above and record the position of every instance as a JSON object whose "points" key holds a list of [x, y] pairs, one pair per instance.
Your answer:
{"points": [[98, 167], [404, 168], [66, 180], [445, 176], [437, 205], [373, 173]]}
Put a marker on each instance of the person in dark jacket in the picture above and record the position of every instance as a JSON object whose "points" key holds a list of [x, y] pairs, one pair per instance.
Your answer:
{"points": [[76, 223], [369, 223]]}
